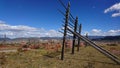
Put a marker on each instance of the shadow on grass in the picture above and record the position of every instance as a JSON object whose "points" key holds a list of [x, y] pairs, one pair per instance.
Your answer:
{"points": [[96, 61], [52, 55], [48, 56]]}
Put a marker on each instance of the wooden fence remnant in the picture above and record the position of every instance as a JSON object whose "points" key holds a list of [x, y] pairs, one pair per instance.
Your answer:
{"points": [[74, 36], [80, 28], [65, 30]]}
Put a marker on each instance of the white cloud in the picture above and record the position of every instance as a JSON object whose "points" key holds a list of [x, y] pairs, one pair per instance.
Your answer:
{"points": [[115, 7], [116, 14], [98, 32], [113, 32], [95, 32], [26, 31]]}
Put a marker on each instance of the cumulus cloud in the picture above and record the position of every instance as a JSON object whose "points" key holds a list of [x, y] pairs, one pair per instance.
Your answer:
{"points": [[116, 14], [116, 8], [114, 32], [95, 32], [26, 31], [98, 32], [16, 28]]}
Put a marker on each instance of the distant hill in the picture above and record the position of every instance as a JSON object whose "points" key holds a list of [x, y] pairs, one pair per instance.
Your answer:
{"points": [[49, 38], [111, 38], [108, 38], [23, 38], [95, 37], [59, 38], [1, 39]]}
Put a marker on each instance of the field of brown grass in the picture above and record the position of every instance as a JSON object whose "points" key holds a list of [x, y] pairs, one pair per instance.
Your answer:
{"points": [[87, 57]]}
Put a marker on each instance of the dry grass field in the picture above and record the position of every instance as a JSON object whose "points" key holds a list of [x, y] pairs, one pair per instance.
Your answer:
{"points": [[87, 57]]}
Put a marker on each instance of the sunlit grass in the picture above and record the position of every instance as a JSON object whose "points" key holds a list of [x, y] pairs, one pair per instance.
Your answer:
{"points": [[87, 57]]}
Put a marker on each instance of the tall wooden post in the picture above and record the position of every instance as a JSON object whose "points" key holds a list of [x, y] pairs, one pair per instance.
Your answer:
{"points": [[4, 40], [86, 37], [80, 27], [74, 36], [65, 30]]}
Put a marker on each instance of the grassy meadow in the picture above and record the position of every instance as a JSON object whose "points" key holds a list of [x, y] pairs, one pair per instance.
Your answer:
{"points": [[87, 57]]}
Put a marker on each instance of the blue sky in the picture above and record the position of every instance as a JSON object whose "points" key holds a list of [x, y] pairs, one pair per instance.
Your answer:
{"points": [[98, 17]]}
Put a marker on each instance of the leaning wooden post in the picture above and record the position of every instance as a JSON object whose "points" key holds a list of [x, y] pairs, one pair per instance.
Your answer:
{"points": [[74, 36], [80, 27], [4, 40], [86, 37], [65, 30]]}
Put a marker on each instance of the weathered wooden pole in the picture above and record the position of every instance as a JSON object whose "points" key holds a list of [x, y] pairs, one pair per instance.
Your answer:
{"points": [[86, 37], [80, 28], [4, 40], [74, 36], [65, 30]]}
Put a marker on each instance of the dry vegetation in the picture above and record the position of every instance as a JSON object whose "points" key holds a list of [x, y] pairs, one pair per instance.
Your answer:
{"points": [[87, 57]]}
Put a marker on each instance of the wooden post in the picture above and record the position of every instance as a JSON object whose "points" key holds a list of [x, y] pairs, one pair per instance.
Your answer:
{"points": [[80, 27], [86, 37], [65, 30], [74, 36], [4, 40]]}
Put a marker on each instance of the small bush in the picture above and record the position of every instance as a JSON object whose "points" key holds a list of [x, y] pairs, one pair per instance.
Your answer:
{"points": [[35, 47], [19, 50], [2, 59], [112, 44]]}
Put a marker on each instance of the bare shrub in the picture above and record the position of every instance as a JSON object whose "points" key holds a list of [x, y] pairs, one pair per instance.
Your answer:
{"points": [[2, 58], [112, 44]]}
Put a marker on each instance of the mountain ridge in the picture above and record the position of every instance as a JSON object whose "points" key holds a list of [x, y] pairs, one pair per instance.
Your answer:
{"points": [[49, 38]]}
